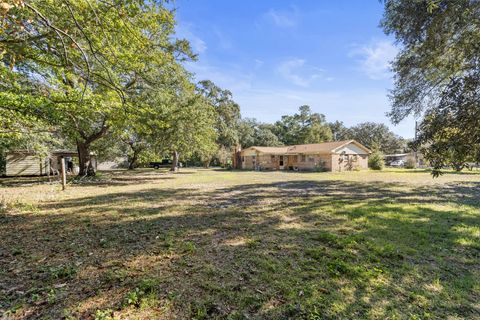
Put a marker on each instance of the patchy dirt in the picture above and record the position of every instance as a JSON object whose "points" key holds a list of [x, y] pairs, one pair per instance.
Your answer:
{"points": [[241, 245]]}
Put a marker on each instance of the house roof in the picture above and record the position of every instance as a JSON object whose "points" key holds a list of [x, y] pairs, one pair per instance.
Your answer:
{"points": [[324, 147], [270, 150]]}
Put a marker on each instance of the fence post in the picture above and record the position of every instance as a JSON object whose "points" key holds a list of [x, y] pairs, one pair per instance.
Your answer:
{"points": [[64, 174]]}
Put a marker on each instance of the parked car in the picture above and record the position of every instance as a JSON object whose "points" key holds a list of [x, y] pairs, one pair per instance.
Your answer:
{"points": [[397, 163], [165, 163]]}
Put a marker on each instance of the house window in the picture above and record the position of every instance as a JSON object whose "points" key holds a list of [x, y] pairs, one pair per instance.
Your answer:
{"points": [[354, 158], [303, 158], [345, 157], [272, 157], [243, 159], [311, 159], [295, 158]]}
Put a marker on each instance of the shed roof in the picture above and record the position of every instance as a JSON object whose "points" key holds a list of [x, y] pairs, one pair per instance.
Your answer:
{"points": [[58, 153], [324, 147]]}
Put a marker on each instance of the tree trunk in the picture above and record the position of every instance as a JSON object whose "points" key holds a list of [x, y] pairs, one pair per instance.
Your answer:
{"points": [[174, 161], [133, 160], [90, 170], [83, 148], [84, 159]]}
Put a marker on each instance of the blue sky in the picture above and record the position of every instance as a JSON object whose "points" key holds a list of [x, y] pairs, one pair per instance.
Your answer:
{"points": [[275, 56]]}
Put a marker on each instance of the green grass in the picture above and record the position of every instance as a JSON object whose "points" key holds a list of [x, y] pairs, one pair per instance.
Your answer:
{"points": [[213, 244]]}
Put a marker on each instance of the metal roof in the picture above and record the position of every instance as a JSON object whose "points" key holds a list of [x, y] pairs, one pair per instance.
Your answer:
{"points": [[64, 153]]}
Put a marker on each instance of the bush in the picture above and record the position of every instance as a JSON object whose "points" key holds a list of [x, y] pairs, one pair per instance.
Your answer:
{"points": [[375, 161], [320, 167], [410, 163]]}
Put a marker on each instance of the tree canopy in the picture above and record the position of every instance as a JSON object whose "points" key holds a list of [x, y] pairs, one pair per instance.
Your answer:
{"points": [[377, 136], [254, 133], [75, 72], [227, 112], [302, 128], [308, 127], [88, 68], [436, 75]]}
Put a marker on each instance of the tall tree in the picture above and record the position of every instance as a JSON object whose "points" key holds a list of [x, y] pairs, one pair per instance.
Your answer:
{"points": [[303, 127], [377, 136], [451, 131], [339, 131], [254, 133], [188, 128], [227, 112], [436, 75], [136, 144], [83, 57]]}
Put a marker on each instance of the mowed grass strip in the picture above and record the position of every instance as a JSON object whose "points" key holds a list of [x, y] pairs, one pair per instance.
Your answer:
{"points": [[214, 244]]}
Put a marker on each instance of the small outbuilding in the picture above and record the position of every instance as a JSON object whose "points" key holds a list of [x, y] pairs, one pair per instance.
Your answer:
{"points": [[328, 156], [28, 163]]}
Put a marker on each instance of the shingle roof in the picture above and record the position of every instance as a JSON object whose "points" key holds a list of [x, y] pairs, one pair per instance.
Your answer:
{"points": [[271, 150], [324, 147]]}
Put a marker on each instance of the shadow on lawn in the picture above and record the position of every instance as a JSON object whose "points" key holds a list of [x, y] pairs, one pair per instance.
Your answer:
{"points": [[297, 249], [105, 178]]}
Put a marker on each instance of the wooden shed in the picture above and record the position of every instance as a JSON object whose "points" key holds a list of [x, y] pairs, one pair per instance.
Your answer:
{"points": [[28, 163], [25, 163], [328, 156]]}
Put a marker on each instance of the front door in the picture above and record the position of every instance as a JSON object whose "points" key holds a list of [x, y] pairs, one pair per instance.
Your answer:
{"points": [[280, 162]]}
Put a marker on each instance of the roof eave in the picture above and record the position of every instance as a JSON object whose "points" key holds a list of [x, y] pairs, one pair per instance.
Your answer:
{"points": [[358, 144]]}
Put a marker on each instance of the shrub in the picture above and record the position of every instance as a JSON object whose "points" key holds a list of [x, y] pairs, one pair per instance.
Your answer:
{"points": [[321, 167], [104, 314], [410, 163], [143, 295], [133, 298], [62, 272], [375, 161]]}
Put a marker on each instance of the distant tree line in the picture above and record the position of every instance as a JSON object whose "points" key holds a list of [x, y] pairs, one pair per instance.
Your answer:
{"points": [[307, 127], [108, 78]]}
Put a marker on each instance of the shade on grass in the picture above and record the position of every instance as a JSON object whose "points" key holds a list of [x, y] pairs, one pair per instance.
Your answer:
{"points": [[239, 245]]}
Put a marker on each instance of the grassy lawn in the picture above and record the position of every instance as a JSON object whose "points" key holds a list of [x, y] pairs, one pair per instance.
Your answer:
{"points": [[205, 244]]}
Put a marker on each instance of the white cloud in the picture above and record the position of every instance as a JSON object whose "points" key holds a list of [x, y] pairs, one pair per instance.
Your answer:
{"points": [[375, 58], [298, 72], [258, 63], [283, 18], [230, 77], [268, 102], [198, 45], [185, 31], [350, 106]]}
